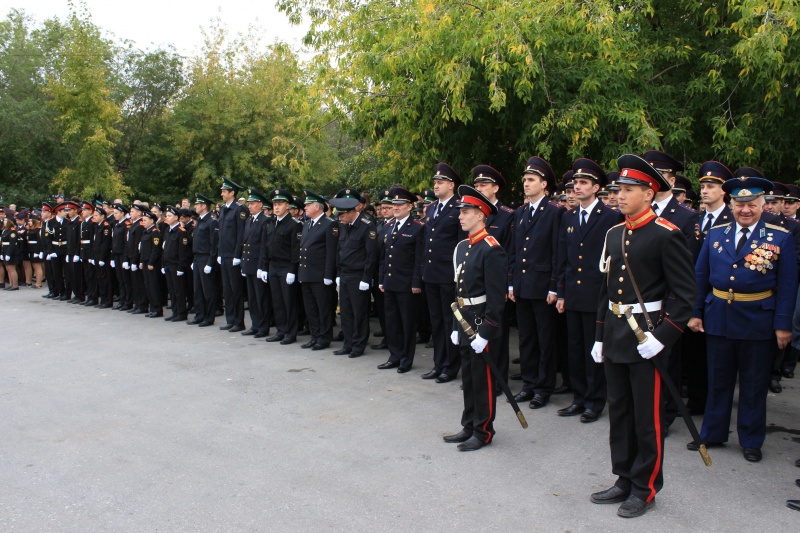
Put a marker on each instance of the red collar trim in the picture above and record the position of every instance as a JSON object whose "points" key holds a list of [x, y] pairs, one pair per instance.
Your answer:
{"points": [[478, 236], [639, 220]]}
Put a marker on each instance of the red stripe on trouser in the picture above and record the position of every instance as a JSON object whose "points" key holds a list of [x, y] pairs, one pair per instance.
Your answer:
{"points": [[490, 397], [657, 423]]}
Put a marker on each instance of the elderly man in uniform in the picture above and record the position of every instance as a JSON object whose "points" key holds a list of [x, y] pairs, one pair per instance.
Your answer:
{"points": [[747, 283], [644, 260], [481, 295], [232, 220]]}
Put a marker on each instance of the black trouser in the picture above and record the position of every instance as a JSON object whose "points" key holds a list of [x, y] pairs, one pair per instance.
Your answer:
{"points": [[257, 296], [233, 292], [354, 312], [377, 295], [103, 277], [90, 279], [205, 291], [694, 351], [635, 410], [139, 297], [123, 281], [76, 278], [674, 370], [152, 287], [284, 300], [480, 402], [586, 376], [784, 360], [57, 265], [178, 292], [317, 301], [423, 326], [536, 346], [562, 353], [66, 269], [48, 272], [401, 327], [446, 358], [504, 353]]}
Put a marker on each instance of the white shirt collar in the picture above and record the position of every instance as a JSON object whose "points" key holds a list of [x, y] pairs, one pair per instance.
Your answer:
{"points": [[401, 222], [534, 206], [590, 209], [662, 205], [317, 219], [715, 213]]}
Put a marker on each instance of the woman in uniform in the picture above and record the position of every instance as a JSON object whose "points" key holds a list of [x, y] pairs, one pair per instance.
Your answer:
{"points": [[35, 250], [11, 252]]}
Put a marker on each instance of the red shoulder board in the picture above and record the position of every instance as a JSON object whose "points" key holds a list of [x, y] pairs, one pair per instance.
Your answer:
{"points": [[181, 228], [506, 209], [664, 223], [418, 222], [105, 223], [491, 240], [127, 222]]}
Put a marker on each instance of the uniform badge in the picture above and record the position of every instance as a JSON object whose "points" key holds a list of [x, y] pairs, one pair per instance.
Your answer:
{"points": [[716, 244], [570, 229], [243, 215], [13, 235], [373, 234], [185, 241], [299, 235], [335, 231], [155, 241]]}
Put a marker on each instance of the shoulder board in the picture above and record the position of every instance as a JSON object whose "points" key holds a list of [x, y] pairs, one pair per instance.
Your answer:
{"points": [[554, 204], [721, 225], [417, 222], [664, 223], [105, 223], [792, 220], [687, 208], [366, 221], [128, 222], [491, 240], [777, 228], [506, 209], [181, 228]]}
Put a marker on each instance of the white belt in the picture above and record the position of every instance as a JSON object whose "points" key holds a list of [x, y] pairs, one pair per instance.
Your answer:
{"points": [[87, 241], [465, 302], [619, 309], [5, 243], [33, 242]]}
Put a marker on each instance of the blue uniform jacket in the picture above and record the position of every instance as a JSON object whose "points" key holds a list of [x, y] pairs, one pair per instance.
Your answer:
{"points": [[442, 234], [501, 227], [720, 267], [535, 259], [400, 268]]}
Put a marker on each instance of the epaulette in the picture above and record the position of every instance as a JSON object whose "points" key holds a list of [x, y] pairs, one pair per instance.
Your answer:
{"points": [[721, 225], [664, 223], [366, 221], [181, 228], [417, 222], [105, 223], [686, 207], [555, 204], [779, 228], [491, 240], [792, 220], [506, 209]]}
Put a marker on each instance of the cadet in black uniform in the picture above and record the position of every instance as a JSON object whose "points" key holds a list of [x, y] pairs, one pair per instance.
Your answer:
{"points": [[317, 270], [101, 254], [87, 231], [177, 262], [138, 301], [118, 262], [401, 279], [232, 220], [481, 295], [257, 290], [35, 250], [652, 252], [150, 263], [280, 254], [204, 253], [59, 253], [356, 264], [46, 238], [74, 278]]}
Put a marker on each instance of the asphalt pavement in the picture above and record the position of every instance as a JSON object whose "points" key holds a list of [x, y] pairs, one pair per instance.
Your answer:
{"points": [[114, 422]]}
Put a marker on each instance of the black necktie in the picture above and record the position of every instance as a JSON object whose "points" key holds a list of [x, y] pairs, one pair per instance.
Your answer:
{"points": [[655, 207], [709, 220], [742, 240], [583, 217], [439, 210]]}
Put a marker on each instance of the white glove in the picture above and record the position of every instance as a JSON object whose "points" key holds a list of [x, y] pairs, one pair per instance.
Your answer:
{"points": [[219, 260], [134, 267], [102, 263], [41, 255], [327, 281], [76, 259], [454, 338], [67, 258], [651, 347], [113, 264], [207, 269], [289, 278], [163, 270], [52, 256], [478, 343], [264, 276], [244, 275], [237, 262], [192, 267], [258, 273], [126, 265], [8, 258], [597, 352], [179, 273], [363, 286], [91, 261], [338, 279]]}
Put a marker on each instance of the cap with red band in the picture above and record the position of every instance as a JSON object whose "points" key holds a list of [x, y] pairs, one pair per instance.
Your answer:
{"points": [[634, 170], [472, 198]]}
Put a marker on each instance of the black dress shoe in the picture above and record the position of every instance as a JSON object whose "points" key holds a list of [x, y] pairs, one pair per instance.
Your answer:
{"points": [[353, 355], [304, 331], [589, 415], [471, 444], [105, 306], [775, 386], [461, 436], [64, 298], [309, 344], [387, 365], [226, 327], [179, 318], [288, 340], [562, 389], [194, 322], [433, 374], [524, 396], [379, 346], [48, 295], [752, 454], [444, 378], [793, 504], [789, 374], [693, 446], [403, 369], [339, 337], [205, 324], [170, 318], [125, 308], [236, 329], [515, 377], [317, 347], [275, 338], [612, 495], [343, 351], [139, 312], [572, 410], [248, 332], [515, 361], [379, 334], [260, 335], [634, 507], [538, 402]]}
